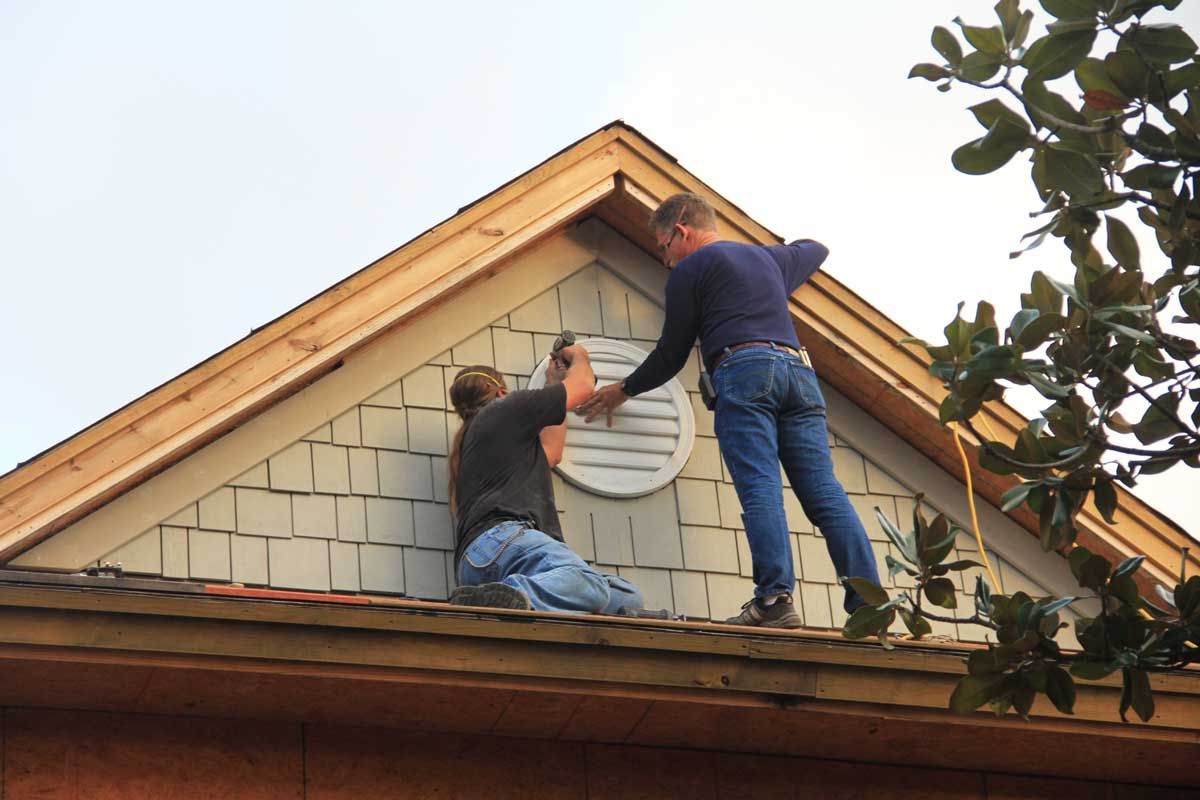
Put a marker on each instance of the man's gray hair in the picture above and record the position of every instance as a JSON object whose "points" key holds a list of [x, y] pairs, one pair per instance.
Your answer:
{"points": [[687, 208]]}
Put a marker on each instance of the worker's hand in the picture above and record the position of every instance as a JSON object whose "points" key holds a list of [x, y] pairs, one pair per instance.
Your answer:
{"points": [[568, 355], [604, 400], [556, 370]]}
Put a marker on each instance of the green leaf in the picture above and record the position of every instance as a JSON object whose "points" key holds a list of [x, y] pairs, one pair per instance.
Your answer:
{"points": [[1125, 330], [1070, 9], [1015, 495], [1044, 294], [1060, 688], [1121, 244], [989, 112], [1047, 388], [1094, 572], [868, 621], [1009, 14], [1090, 669], [983, 597], [895, 567], [1160, 44], [1150, 176], [917, 625], [974, 159], [903, 543], [1136, 693], [992, 661], [945, 43], [1038, 330], [979, 66], [1021, 30], [1156, 425], [974, 690], [961, 564], [930, 72], [868, 590], [1055, 55], [1054, 606], [1038, 98], [1128, 72], [1074, 173], [1128, 566], [1185, 77], [1124, 588], [1076, 559], [1106, 500], [1092, 75], [988, 40], [940, 592]]}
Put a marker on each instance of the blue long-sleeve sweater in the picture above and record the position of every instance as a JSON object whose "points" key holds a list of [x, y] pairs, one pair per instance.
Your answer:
{"points": [[727, 293]]}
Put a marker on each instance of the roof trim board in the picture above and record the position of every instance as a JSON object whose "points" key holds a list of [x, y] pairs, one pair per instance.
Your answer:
{"points": [[615, 172], [723, 662], [363, 373]]}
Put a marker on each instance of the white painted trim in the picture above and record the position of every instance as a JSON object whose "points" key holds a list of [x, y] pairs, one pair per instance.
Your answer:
{"points": [[615, 482]]}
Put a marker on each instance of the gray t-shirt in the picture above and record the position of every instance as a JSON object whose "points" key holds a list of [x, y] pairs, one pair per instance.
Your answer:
{"points": [[503, 473]]}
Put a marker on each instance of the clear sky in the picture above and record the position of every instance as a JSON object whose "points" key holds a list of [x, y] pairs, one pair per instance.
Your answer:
{"points": [[173, 175]]}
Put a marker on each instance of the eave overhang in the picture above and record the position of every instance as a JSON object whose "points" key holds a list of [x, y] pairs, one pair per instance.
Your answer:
{"points": [[427, 666]]}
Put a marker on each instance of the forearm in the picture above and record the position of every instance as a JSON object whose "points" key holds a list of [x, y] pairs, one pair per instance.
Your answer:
{"points": [[579, 381], [553, 437]]}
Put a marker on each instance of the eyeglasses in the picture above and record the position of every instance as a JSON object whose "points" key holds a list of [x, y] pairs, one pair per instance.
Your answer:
{"points": [[662, 248]]}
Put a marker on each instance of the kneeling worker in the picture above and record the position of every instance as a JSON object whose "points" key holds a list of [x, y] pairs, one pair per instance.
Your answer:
{"points": [[510, 551]]}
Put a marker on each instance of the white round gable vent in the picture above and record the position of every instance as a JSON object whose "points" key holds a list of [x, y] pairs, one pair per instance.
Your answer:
{"points": [[649, 442]]}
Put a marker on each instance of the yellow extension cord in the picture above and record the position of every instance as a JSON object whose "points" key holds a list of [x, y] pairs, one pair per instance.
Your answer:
{"points": [[975, 518], [971, 504]]}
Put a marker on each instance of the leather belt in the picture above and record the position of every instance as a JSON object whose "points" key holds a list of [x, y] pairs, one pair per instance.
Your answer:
{"points": [[802, 354]]}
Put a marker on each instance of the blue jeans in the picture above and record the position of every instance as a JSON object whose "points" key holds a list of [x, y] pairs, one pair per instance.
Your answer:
{"points": [[550, 574], [770, 410]]}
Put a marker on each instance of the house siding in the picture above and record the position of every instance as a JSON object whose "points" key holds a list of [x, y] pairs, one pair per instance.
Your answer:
{"points": [[359, 503]]}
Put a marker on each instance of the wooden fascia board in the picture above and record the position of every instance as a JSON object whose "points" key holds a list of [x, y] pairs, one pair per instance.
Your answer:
{"points": [[726, 667], [100, 463], [901, 387]]}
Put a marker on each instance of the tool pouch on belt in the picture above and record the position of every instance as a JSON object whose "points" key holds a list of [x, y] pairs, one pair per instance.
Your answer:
{"points": [[708, 392]]}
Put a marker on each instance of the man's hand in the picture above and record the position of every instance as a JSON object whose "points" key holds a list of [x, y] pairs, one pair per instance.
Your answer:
{"points": [[556, 370], [604, 400]]}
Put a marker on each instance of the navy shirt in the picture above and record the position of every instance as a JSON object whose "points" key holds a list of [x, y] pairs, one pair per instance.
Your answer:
{"points": [[727, 293]]}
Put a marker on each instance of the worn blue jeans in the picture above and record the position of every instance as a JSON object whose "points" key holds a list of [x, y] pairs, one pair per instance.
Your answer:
{"points": [[550, 574], [770, 410]]}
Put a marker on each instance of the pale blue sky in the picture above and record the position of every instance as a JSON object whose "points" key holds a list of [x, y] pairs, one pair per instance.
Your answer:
{"points": [[173, 175]]}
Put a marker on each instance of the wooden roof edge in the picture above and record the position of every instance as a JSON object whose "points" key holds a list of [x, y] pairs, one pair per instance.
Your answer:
{"points": [[288, 320], [290, 332], [729, 668], [432, 618]]}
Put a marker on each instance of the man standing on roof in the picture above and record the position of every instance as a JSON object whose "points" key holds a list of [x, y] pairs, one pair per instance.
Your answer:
{"points": [[769, 408], [510, 551]]}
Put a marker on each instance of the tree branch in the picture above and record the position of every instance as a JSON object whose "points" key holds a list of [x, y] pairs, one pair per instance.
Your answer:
{"points": [[1166, 412]]}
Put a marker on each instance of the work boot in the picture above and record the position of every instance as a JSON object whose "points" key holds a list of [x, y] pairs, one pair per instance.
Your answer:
{"points": [[490, 595], [780, 614]]}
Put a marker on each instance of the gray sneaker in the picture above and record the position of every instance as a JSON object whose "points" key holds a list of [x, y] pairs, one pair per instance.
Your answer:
{"points": [[490, 595], [780, 614]]}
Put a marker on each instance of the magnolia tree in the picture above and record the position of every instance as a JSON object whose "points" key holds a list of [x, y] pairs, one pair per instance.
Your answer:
{"points": [[1108, 341]]}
